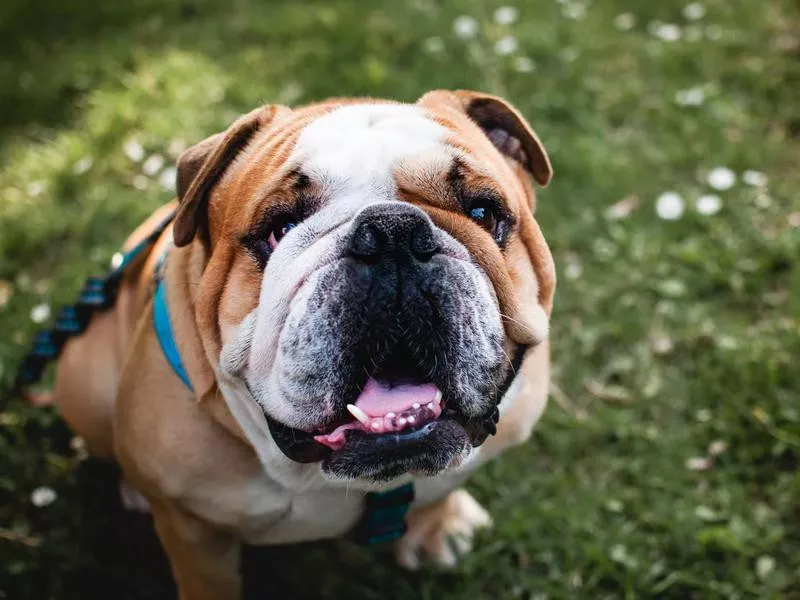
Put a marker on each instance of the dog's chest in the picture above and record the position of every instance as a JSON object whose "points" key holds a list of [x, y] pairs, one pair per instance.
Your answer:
{"points": [[309, 516], [265, 513]]}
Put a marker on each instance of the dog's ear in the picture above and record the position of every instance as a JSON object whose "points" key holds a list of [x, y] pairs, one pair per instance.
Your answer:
{"points": [[505, 127], [201, 166]]}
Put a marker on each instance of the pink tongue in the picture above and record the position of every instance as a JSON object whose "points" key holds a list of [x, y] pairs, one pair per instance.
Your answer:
{"points": [[376, 400]]}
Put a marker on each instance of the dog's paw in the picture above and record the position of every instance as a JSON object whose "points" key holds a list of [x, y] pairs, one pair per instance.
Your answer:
{"points": [[442, 532]]}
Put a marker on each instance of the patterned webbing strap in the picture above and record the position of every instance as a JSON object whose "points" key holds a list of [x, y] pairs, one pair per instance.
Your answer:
{"points": [[384, 518], [98, 294]]}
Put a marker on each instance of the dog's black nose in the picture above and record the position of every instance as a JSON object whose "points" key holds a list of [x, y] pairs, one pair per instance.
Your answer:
{"points": [[392, 230]]}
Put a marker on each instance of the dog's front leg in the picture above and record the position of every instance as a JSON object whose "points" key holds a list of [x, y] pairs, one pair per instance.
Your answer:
{"points": [[441, 531], [204, 558]]}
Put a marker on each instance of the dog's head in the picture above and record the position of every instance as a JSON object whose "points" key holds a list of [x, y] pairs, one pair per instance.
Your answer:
{"points": [[373, 274]]}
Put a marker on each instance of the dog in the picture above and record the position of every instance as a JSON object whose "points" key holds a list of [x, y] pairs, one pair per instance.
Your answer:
{"points": [[358, 298]]}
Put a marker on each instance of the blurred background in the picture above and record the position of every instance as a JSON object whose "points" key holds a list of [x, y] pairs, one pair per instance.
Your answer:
{"points": [[667, 462]]}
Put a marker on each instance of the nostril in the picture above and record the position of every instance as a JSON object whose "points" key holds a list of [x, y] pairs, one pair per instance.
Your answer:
{"points": [[365, 243], [423, 243]]}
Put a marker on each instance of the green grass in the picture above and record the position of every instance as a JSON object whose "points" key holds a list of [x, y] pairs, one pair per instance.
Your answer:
{"points": [[668, 336]]}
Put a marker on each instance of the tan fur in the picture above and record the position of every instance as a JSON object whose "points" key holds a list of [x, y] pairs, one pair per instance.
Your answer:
{"points": [[184, 451]]}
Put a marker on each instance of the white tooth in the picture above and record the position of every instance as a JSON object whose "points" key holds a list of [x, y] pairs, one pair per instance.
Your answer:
{"points": [[430, 405], [401, 421], [415, 406], [438, 398], [359, 414], [411, 419], [376, 425], [390, 415]]}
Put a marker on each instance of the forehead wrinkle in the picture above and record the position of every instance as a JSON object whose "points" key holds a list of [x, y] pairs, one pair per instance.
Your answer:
{"points": [[354, 149]]}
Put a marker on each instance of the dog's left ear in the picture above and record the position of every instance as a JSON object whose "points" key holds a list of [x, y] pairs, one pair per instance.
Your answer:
{"points": [[202, 165], [505, 127]]}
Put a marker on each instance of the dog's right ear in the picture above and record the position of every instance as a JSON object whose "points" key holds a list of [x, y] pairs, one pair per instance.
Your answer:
{"points": [[202, 165]]}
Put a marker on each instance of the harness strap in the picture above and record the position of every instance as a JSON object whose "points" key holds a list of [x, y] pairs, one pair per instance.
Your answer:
{"points": [[163, 328], [97, 295], [384, 518]]}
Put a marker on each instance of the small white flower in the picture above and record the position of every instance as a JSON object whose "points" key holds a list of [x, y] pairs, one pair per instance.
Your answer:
{"points": [[35, 188], [43, 496], [78, 445], [624, 22], [694, 11], [667, 32], [690, 97], [506, 45], [168, 178], [523, 64], [133, 150], [506, 15], [40, 313], [614, 505], [570, 54], [672, 288], [573, 270], [433, 45], [727, 342], [763, 200], [764, 566], [622, 209], [705, 513], [708, 204], [176, 146], [140, 182], [153, 165], [754, 178], [465, 27], [619, 553], [662, 344], [714, 32], [721, 178], [717, 447], [83, 165], [703, 415], [698, 463], [574, 10], [670, 206]]}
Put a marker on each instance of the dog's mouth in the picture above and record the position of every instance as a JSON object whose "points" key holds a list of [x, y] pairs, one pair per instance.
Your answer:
{"points": [[391, 428], [397, 422], [385, 407]]}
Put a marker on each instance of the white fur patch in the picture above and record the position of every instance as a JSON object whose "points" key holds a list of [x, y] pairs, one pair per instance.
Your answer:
{"points": [[355, 148]]}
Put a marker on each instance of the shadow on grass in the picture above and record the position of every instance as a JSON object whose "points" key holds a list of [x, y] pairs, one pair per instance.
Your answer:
{"points": [[54, 53]]}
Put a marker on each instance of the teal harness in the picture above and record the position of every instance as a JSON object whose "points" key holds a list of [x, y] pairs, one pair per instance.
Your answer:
{"points": [[384, 515]]}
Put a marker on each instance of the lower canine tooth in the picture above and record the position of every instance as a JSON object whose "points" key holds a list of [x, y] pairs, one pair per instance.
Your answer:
{"points": [[438, 398]]}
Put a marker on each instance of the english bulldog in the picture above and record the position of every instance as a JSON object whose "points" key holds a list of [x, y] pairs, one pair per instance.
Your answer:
{"points": [[360, 296]]}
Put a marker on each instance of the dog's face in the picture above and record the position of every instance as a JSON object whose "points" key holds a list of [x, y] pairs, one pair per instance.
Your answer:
{"points": [[374, 274]]}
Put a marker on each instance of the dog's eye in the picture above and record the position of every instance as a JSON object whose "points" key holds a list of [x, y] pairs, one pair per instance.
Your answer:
{"points": [[484, 213], [260, 244], [280, 230]]}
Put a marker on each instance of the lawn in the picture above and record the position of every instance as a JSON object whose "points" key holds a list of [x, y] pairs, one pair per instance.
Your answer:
{"points": [[667, 462]]}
